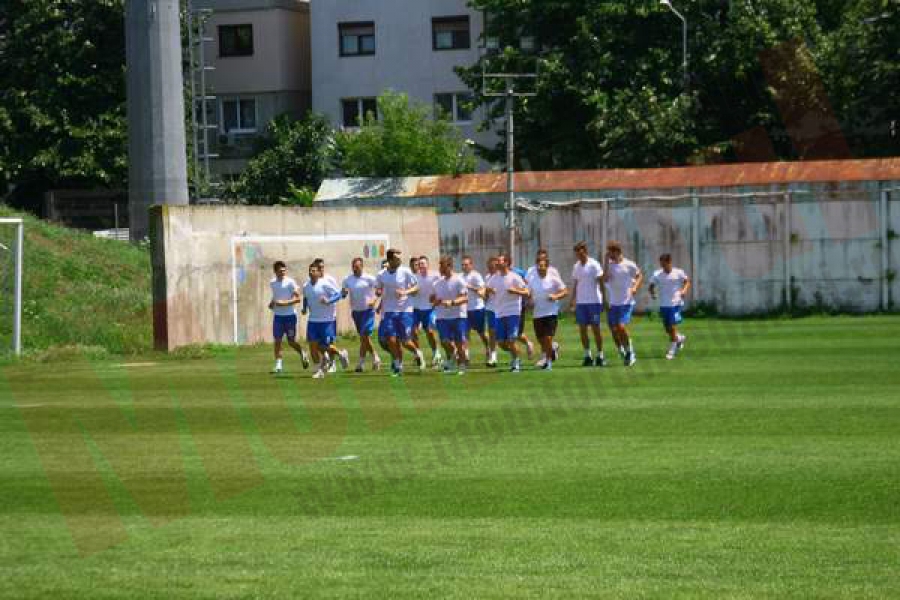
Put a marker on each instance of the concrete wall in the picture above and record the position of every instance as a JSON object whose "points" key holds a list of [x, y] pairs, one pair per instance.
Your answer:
{"points": [[742, 253], [404, 59], [212, 265]]}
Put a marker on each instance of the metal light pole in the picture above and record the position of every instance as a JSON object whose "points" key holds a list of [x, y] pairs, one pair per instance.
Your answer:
{"points": [[509, 94], [684, 45]]}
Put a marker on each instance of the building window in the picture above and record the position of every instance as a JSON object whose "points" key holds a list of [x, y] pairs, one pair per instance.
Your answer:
{"points": [[356, 39], [235, 40], [239, 115], [454, 106], [354, 110], [450, 33]]}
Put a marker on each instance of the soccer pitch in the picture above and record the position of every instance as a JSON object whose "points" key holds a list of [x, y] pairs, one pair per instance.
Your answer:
{"points": [[763, 462]]}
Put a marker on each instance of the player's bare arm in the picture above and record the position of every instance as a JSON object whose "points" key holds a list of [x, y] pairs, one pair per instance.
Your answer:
{"points": [[638, 280]]}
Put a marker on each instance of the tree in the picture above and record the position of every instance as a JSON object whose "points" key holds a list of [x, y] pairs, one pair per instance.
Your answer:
{"points": [[610, 90], [291, 159], [403, 140], [62, 96]]}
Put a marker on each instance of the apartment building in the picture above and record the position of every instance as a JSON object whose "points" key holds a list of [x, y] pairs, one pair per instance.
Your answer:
{"points": [[362, 47], [260, 54]]}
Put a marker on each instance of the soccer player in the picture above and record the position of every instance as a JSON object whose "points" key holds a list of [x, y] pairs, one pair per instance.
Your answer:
{"points": [[321, 297], [423, 311], [523, 337], [397, 284], [673, 285], [508, 288], [623, 279], [490, 317], [587, 300], [475, 305], [285, 294], [449, 299], [362, 289], [546, 292]]}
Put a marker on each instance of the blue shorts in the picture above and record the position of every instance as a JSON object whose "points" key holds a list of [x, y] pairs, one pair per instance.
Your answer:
{"points": [[507, 328], [453, 330], [619, 315], [476, 320], [588, 314], [671, 315], [423, 318], [490, 319], [398, 325], [323, 334], [364, 321], [284, 326]]}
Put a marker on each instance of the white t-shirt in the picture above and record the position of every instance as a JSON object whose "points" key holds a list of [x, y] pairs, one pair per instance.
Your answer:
{"points": [[621, 278], [389, 283], [426, 289], [541, 288], [362, 290], [283, 290], [669, 285], [450, 289], [323, 288], [505, 303], [474, 279], [532, 272], [586, 275]]}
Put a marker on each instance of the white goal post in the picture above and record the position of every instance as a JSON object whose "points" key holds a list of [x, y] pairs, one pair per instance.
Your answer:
{"points": [[16, 251]]}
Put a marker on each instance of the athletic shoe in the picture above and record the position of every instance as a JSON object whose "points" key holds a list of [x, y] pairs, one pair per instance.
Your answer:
{"points": [[554, 352], [436, 362], [359, 368], [681, 340], [332, 367], [541, 363], [376, 365], [277, 371], [529, 349], [344, 357], [491, 363], [587, 362], [447, 367], [630, 359], [304, 358], [319, 374], [547, 367], [515, 368], [599, 361], [670, 355]]}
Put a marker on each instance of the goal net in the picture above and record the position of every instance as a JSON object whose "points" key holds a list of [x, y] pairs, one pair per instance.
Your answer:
{"points": [[11, 238]]}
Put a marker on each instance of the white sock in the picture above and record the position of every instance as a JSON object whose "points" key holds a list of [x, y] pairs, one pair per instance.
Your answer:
{"points": [[277, 363], [587, 352]]}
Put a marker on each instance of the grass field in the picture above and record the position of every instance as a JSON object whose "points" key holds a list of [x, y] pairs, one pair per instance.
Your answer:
{"points": [[764, 462]]}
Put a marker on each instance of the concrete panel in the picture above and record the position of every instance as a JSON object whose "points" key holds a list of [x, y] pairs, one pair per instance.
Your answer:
{"points": [[212, 265], [894, 249]]}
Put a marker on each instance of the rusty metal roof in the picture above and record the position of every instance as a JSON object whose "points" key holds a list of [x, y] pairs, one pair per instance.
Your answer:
{"points": [[743, 174]]}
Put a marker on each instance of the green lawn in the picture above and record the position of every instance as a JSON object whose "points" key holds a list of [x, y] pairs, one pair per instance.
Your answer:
{"points": [[763, 462]]}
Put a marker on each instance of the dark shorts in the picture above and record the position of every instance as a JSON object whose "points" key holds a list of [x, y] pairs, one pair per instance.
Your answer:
{"points": [[545, 326], [476, 320], [322, 334], [619, 315], [423, 318], [364, 321], [490, 319], [453, 330], [398, 325], [671, 315], [284, 326], [588, 314]]}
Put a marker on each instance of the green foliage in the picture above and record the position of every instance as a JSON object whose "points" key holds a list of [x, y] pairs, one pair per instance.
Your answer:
{"points": [[611, 92], [79, 290], [62, 93], [291, 159], [403, 140]]}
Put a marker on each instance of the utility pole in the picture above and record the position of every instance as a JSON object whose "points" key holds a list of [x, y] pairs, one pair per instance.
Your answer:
{"points": [[157, 161]]}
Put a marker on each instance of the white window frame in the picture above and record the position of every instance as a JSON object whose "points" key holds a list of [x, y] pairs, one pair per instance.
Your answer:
{"points": [[238, 130], [454, 116]]}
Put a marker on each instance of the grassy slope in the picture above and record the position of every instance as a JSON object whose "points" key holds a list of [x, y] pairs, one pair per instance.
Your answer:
{"points": [[764, 462], [82, 290]]}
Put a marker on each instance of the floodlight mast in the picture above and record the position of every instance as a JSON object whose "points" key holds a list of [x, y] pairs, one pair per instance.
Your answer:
{"points": [[684, 44], [510, 93]]}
